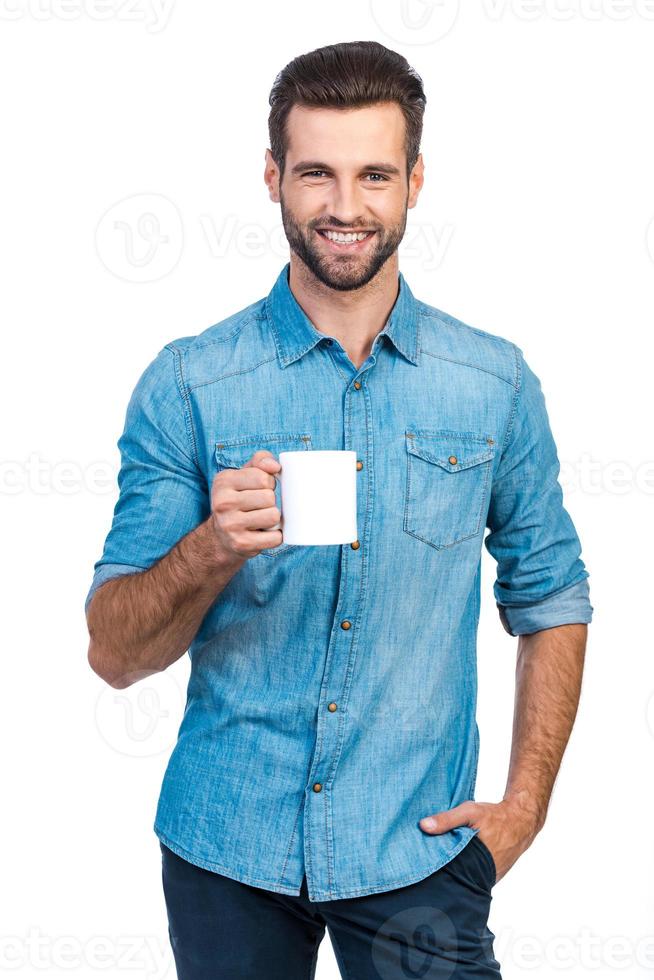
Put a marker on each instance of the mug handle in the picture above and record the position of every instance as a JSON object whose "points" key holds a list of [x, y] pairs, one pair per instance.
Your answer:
{"points": [[278, 526]]}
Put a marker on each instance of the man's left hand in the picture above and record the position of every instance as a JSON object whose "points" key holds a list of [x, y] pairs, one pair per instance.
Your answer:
{"points": [[507, 828]]}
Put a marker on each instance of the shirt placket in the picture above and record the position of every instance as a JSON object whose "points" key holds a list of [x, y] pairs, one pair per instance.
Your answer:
{"points": [[341, 653]]}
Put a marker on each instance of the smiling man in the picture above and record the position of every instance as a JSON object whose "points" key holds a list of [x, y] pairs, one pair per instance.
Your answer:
{"points": [[344, 208], [324, 772]]}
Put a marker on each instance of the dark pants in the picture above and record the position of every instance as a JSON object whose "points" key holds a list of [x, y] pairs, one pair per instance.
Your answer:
{"points": [[435, 929]]}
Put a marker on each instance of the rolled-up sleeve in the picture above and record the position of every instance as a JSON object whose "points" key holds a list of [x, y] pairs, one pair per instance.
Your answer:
{"points": [[162, 492], [541, 578]]}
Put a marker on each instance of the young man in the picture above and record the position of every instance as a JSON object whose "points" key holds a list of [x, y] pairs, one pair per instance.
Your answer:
{"points": [[331, 701]]}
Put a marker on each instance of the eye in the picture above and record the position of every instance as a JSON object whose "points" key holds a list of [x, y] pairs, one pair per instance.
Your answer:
{"points": [[312, 173]]}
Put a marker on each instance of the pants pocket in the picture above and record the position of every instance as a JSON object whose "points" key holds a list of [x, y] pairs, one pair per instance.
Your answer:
{"points": [[488, 857]]}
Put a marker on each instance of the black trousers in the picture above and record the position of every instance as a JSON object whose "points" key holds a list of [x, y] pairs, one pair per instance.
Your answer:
{"points": [[435, 929]]}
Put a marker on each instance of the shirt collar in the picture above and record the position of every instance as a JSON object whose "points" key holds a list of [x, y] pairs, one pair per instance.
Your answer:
{"points": [[295, 334]]}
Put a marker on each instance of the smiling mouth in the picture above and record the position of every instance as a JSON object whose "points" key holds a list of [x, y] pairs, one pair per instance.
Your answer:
{"points": [[345, 241]]}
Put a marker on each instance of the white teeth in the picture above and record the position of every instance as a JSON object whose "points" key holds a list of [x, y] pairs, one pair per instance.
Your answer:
{"points": [[335, 236]]}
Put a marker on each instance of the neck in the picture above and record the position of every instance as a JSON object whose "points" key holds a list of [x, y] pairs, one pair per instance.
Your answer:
{"points": [[353, 317]]}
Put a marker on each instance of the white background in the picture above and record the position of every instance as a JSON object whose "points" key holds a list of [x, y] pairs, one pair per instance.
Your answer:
{"points": [[535, 222]]}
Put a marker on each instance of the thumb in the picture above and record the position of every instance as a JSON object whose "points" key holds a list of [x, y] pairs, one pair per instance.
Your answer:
{"points": [[265, 461], [439, 823]]}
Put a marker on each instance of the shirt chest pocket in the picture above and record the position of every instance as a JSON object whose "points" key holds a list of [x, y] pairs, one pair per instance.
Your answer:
{"points": [[233, 453], [448, 476]]}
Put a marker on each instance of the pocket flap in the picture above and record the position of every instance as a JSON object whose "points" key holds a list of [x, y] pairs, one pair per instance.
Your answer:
{"points": [[234, 453], [452, 451]]}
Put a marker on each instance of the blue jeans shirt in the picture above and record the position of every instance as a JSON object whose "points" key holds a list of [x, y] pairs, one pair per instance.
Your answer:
{"points": [[331, 702]]}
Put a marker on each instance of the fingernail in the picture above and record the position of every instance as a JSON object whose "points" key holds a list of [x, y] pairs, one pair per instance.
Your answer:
{"points": [[429, 823]]}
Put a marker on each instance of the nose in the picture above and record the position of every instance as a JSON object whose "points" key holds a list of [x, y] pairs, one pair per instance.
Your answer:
{"points": [[345, 204]]}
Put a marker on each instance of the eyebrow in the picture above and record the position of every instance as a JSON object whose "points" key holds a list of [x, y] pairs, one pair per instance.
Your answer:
{"points": [[382, 168]]}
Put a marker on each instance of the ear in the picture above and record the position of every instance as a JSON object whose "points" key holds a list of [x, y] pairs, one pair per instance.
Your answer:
{"points": [[416, 180], [271, 177]]}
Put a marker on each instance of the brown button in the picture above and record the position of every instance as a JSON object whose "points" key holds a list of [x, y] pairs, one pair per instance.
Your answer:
{"points": [[359, 464], [346, 624], [333, 706], [317, 787], [357, 385], [355, 546], [452, 459]]}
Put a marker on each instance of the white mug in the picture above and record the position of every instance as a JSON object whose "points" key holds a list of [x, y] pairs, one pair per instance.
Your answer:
{"points": [[319, 496]]}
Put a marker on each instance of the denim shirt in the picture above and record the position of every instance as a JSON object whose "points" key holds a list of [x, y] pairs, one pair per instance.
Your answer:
{"points": [[331, 701]]}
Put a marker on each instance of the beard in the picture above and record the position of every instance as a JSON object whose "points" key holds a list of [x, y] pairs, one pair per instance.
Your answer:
{"points": [[343, 272]]}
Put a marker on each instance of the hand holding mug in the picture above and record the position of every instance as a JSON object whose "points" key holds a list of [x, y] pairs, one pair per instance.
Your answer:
{"points": [[244, 514]]}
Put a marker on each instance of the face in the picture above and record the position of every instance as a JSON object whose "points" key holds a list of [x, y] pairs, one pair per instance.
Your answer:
{"points": [[345, 172]]}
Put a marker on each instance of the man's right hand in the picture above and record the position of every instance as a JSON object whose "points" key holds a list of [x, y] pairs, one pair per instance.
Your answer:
{"points": [[243, 510]]}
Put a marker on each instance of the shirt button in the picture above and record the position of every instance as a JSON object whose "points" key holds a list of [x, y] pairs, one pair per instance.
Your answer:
{"points": [[355, 546], [359, 464], [332, 706], [317, 787], [357, 385], [346, 624], [452, 459]]}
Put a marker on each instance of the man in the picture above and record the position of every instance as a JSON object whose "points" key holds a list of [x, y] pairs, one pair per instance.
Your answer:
{"points": [[331, 700]]}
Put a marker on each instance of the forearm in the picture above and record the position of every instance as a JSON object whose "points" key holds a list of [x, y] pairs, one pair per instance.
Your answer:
{"points": [[548, 686], [141, 623]]}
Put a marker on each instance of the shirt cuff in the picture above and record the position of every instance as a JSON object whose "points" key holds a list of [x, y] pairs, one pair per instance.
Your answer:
{"points": [[571, 605], [105, 572]]}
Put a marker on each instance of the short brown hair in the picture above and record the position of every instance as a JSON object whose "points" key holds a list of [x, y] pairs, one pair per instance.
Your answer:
{"points": [[351, 74]]}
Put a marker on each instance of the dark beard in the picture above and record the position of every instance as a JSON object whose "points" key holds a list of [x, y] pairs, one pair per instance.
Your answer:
{"points": [[349, 272]]}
